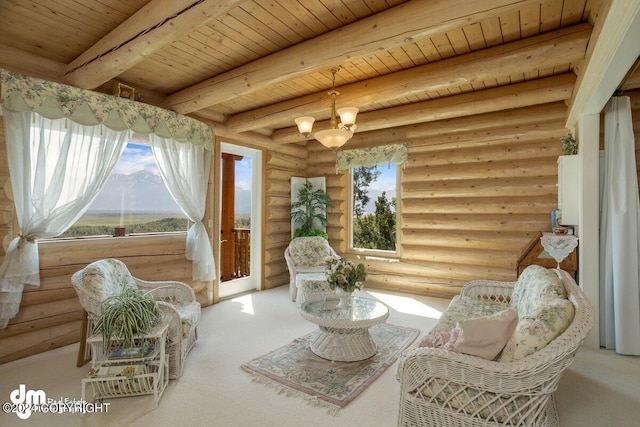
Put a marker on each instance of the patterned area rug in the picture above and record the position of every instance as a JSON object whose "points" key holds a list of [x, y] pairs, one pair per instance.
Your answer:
{"points": [[294, 369]]}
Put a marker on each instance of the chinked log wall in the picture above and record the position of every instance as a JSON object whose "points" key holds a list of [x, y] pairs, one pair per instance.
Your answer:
{"points": [[473, 192]]}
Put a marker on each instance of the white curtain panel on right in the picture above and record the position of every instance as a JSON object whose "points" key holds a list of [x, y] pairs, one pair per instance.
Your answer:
{"points": [[619, 234]]}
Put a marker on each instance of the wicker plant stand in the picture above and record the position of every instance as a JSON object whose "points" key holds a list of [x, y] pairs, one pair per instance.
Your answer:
{"points": [[144, 369]]}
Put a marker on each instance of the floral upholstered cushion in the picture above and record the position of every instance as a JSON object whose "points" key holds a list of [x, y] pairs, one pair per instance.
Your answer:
{"points": [[463, 307], [536, 286], [312, 282], [309, 251], [440, 339], [107, 277], [189, 317], [507, 409], [537, 329]]}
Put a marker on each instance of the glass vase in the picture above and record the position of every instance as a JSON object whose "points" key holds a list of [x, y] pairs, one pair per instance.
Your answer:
{"points": [[345, 298]]}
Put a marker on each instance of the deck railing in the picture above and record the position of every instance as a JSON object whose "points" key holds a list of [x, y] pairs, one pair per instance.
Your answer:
{"points": [[241, 260]]}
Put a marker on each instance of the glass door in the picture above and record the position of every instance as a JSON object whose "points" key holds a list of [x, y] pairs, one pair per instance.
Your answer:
{"points": [[240, 219]]}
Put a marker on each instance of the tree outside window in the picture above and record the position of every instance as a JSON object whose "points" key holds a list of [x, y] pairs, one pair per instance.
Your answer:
{"points": [[374, 207]]}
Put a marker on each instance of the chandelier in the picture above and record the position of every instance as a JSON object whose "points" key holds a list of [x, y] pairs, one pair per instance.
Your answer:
{"points": [[338, 133]]}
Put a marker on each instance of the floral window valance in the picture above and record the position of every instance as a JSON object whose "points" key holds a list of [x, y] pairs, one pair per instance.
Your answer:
{"points": [[396, 154], [55, 100]]}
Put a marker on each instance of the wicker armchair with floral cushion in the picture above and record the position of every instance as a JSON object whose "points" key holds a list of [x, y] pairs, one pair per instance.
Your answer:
{"points": [[306, 259], [104, 278], [443, 383]]}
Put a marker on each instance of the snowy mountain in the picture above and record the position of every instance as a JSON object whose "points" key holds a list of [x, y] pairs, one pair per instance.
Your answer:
{"points": [[145, 191], [140, 191], [243, 201]]}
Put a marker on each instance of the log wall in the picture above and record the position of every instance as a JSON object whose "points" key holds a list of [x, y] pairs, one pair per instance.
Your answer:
{"points": [[50, 316], [283, 162], [471, 196], [473, 192]]}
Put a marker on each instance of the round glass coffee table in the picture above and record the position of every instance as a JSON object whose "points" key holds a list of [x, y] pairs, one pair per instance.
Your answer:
{"points": [[344, 332]]}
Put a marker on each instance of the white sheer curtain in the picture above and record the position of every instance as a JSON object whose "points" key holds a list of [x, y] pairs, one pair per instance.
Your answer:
{"points": [[619, 234], [57, 168], [185, 170]]}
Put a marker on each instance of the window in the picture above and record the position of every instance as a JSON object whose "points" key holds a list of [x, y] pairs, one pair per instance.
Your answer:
{"points": [[134, 198], [373, 207]]}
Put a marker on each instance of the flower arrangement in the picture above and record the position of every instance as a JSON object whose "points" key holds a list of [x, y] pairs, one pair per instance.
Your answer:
{"points": [[569, 144], [344, 274]]}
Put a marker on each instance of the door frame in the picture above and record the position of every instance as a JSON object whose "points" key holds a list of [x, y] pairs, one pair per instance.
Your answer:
{"points": [[255, 279]]}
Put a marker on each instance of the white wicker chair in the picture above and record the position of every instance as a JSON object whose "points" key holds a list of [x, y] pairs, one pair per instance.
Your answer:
{"points": [[103, 278], [306, 261], [444, 388]]}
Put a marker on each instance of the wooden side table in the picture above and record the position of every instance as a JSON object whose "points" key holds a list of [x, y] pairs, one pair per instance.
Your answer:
{"points": [[535, 253]]}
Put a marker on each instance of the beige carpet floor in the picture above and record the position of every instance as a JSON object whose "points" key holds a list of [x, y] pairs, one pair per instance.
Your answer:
{"points": [[599, 389]]}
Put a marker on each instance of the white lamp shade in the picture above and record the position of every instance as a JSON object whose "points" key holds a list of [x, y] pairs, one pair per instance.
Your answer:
{"points": [[348, 115], [305, 124], [333, 138]]}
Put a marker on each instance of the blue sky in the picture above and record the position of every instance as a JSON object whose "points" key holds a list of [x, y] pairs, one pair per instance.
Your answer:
{"points": [[387, 179], [243, 173], [135, 158], [385, 182], [138, 157]]}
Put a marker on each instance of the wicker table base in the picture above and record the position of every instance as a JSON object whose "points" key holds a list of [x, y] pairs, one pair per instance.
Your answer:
{"points": [[344, 333], [344, 345]]}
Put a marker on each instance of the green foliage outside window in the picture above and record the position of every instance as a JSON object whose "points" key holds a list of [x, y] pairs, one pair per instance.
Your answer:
{"points": [[374, 230], [164, 225]]}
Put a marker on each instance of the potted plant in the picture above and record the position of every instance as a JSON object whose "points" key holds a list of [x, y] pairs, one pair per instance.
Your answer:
{"points": [[125, 317], [569, 145], [311, 206]]}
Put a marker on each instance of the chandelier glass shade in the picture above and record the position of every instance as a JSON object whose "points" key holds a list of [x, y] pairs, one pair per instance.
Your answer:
{"points": [[338, 133]]}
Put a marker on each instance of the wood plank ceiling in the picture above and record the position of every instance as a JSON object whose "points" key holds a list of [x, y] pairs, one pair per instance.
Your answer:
{"points": [[253, 66]]}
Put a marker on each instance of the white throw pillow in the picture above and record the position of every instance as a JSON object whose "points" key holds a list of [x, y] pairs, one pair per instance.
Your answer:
{"points": [[485, 336]]}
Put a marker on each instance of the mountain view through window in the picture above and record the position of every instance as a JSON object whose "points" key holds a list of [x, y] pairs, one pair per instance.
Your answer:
{"points": [[134, 197]]}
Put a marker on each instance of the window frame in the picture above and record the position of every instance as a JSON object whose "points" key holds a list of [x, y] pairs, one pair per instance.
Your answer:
{"points": [[137, 140], [378, 253]]}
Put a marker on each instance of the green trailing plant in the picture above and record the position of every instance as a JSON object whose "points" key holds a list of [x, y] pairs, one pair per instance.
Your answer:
{"points": [[311, 206], [126, 316]]}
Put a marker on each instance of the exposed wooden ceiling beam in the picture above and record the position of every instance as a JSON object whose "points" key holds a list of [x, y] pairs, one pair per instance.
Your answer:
{"points": [[535, 92], [514, 120], [19, 61], [382, 31], [153, 27], [548, 50]]}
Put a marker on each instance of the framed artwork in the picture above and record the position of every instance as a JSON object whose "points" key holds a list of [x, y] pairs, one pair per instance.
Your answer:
{"points": [[124, 91]]}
